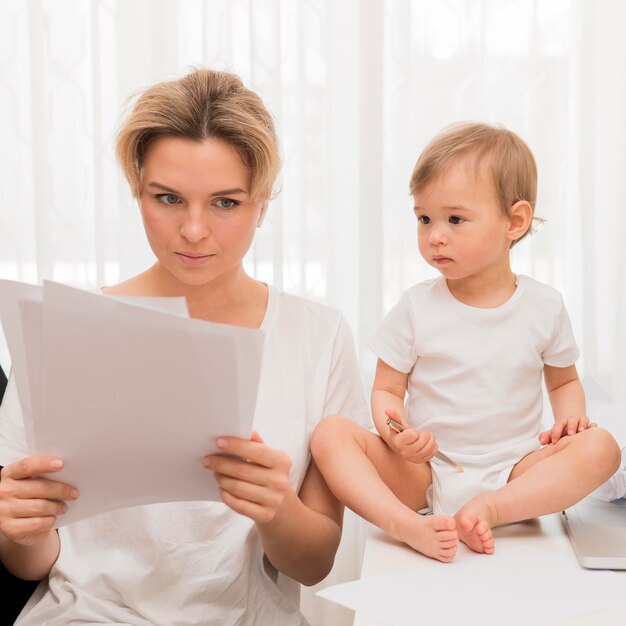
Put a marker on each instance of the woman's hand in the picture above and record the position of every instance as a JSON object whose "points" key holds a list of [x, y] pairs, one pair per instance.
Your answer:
{"points": [[254, 484], [412, 445], [29, 504], [565, 427]]}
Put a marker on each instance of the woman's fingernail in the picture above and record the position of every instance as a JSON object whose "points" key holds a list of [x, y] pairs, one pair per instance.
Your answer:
{"points": [[221, 443], [56, 463], [74, 493]]}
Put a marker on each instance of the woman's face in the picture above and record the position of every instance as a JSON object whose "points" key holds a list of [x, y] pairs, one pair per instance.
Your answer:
{"points": [[197, 213]]}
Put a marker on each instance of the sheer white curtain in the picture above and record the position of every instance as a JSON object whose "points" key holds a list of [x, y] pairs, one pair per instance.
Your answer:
{"points": [[555, 72], [357, 89]]}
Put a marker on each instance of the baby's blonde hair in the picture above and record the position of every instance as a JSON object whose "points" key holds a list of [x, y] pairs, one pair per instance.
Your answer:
{"points": [[204, 104], [509, 160]]}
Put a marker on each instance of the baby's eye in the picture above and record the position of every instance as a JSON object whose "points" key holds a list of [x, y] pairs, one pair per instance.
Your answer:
{"points": [[455, 219], [226, 203], [423, 219], [168, 198]]}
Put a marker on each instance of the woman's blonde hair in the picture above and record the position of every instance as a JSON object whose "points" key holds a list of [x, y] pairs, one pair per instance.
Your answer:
{"points": [[204, 104], [509, 160]]}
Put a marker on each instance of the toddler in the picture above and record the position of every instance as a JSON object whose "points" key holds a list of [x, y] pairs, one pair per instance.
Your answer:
{"points": [[469, 350]]}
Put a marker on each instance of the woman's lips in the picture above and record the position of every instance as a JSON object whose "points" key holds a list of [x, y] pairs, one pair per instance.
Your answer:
{"points": [[193, 258]]}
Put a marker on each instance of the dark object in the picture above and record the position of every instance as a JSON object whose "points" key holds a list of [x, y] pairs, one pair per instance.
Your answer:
{"points": [[14, 591], [3, 383]]}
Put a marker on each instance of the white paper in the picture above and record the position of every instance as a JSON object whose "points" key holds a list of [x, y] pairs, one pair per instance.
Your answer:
{"points": [[515, 586], [11, 292], [30, 317], [133, 398]]}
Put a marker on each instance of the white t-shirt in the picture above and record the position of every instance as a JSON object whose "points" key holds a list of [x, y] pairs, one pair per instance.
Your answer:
{"points": [[475, 374], [200, 563]]}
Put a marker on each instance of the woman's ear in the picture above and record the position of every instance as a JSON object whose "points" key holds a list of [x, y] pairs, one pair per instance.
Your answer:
{"points": [[520, 219], [262, 215]]}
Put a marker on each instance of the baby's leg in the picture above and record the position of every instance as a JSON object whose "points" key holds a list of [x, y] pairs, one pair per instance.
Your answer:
{"points": [[545, 481], [378, 485]]}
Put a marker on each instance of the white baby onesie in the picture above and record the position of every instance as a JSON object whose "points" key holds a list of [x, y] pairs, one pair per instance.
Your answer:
{"points": [[475, 377]]}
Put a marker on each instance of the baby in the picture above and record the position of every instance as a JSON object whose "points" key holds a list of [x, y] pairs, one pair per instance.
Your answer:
{"points": [[469, 350]]}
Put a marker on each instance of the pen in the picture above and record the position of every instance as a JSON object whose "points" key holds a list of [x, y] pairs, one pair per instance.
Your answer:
{"points": [[440, 455]]}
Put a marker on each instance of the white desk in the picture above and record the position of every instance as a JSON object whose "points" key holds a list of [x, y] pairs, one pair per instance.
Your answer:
{"points": [[385, 556]]}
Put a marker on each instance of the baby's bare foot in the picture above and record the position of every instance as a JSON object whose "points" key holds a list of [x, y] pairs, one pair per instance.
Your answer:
{"points": [[475, 521], [434, 536]]}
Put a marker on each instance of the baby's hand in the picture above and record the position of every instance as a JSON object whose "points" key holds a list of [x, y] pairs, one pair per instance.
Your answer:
{"points": [[412, 445], [562, 428]]}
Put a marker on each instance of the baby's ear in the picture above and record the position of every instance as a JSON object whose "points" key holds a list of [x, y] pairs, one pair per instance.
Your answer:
{"points": [[520, 218]]}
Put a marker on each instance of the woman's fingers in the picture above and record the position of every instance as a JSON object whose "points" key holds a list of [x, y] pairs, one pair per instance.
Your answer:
{"points": [[40, 488], [253, 478], [31, 466], [38, 508], [26, 529], [29, 503], [246, 471], [252, 510], [255, 452], [250, 491], [22, 480]]}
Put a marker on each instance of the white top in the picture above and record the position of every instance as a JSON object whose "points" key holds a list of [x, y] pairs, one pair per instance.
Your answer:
{"points": [[199, 562], [475, 374]]}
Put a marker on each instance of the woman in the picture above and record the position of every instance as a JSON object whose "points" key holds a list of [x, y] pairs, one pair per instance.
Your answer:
{"points": [[201, 157]]}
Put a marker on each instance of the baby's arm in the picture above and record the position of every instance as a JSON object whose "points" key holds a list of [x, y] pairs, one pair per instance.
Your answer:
{"points": [[388, 394], [567, 398]]}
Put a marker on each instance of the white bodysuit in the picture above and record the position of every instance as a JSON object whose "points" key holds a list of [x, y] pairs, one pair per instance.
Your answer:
{"points": [[475, 377], [199, 563]]}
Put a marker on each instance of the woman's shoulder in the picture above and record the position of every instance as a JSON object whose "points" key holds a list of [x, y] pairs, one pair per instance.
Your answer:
{"points": [[299, 310], [131, 287]]}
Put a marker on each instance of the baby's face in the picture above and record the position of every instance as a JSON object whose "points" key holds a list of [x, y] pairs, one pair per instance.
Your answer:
{"points": [[462, 231]]}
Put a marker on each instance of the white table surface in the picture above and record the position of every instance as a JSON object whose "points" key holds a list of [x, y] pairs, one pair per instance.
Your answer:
{"points": [[383, 555]]}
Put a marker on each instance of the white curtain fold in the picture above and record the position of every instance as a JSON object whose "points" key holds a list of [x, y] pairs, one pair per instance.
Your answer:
{"points": [[357, 89]]}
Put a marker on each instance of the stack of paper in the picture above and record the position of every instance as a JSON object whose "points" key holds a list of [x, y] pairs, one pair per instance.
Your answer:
{"points": [[130, 392]]}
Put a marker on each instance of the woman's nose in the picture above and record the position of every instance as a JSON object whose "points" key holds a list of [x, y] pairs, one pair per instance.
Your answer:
{"points": [[195, 226]]}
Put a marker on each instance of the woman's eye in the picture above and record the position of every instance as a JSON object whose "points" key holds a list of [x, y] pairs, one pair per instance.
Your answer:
{"points": [[455, 219], [168, 198], [226, 203], [423, 219]]}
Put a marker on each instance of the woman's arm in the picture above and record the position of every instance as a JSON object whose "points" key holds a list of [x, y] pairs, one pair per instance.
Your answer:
{"points": [[302, 539], [300, 533]]}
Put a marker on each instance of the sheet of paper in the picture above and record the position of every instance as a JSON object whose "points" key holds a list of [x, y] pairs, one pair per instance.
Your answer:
{"points": [[133, 398], [19, 300], [175, 306], [515, 586], [30, 317], [11, 292]]}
